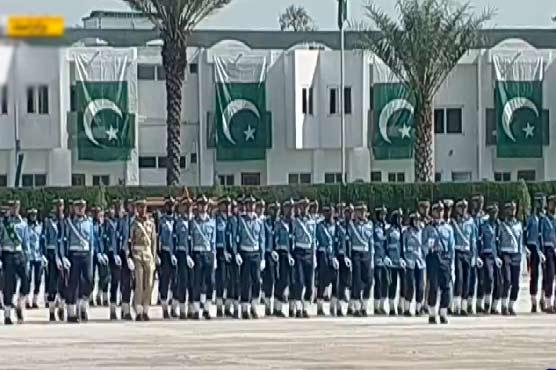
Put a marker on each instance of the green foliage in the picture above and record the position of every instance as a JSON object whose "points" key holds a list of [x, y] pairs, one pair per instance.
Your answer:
{"points": [[296, 18]]}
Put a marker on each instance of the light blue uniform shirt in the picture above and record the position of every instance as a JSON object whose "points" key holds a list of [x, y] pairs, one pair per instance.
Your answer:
{"points": [[203, 234], [511, 236], [304, 233], [20, 242], [465, 235], [282, 235], [360, 236], [36, 239], [413, 248], [80, 235], [251, 234], [166, 233], [439, 239], [548, 230], [326, 236], [181, 230]]}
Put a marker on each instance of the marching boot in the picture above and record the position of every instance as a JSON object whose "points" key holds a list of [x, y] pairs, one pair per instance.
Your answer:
{"points": [[443, 316], [7, 316], [139, 313]]}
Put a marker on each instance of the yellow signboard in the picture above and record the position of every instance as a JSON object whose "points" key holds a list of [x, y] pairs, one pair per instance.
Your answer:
{"points": [[34, 26]]}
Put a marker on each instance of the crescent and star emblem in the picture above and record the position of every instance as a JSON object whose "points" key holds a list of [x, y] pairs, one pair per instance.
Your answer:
{"points": [[92, 109], [510, 107], [233, 108], [387, 112]]}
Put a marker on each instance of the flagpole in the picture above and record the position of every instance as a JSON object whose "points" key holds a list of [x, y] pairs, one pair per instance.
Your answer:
{"points": [[342, 110]]}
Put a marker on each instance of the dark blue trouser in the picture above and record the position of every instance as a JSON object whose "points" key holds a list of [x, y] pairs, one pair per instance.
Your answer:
{"points": [[324, 273], [36, 272], [182, 275], [439, 276], [511, 268], [381, 282], [395, 274], [250, 276], [487, 276], [362, 275], [80, 274], [414, 284], [342, 280], [166, 275], [283, 276], [203, 275], [462, 269], [534, 267], [220, 273], [304, 271], [269, 275], [232, 282], [120, 279], [52, 276], [549, 271], [15, 268]]}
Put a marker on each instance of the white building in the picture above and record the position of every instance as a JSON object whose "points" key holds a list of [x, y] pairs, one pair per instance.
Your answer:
{"points": [[301, 94]]}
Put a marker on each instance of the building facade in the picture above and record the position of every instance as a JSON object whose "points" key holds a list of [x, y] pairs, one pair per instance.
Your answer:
{"points": [[302, 95]]}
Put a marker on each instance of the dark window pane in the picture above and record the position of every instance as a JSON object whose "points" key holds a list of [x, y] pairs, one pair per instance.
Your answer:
{"points": [[78, 179], [461, 176], [101, 180], [4, 101], [162, 162], [193, 68], [438, 177], [30, 100], [304, 101], [230, 180], [182, 161], [332, 101], [329, 178], [160, 73], [221, 180], [43, 99], [305, 178], [392, 177], [400, 177], [3, 181], [27, 180], [527, 175], [454, 125], [251, 178], [338, 178], [347, 100], [193, 158], [497, 176], [72, 98], [371, 98], [145, 71], [376, 176], [439, 121], [147, 162], [293, 178], [311, 101], [507, 176], [40, 180]]}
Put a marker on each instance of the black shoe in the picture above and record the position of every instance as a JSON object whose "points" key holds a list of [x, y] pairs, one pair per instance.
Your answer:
{"points": [[105, 304], [450, 312], [84, 316], [364, 313], [113, 316], [463, 313], [206, 315], [19, 315], [52, 317], [534, 308], [512, 312], [73, 319], [432, 320], [35, 306], [139, 317], [267, 311], [99, 301], [61, 314], [299, 314], [291, 313], [320, 312], [190, 315], [443, 320], [146, 317], [27, 306], [356, 314], [228, 313], [8, 321], [392, 313], [494, 311], [279, 314], [174, 314], [127, 317], [165, 315], [407, 313], [339, 313], [486, 310], [254, 315], [305, 314], [245, 315], [46, 305], [350, 311], [505, 311], [219, 312]]}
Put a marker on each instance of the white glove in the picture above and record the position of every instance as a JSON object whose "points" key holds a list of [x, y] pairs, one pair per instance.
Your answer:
{"points": [[190, 262], [498, 262], [44, 261], [387, 261], [215, 264], [420, 264], [117, 260], [158, 261], [473, 262], [403, 265], [542, 257], [239, 260], [263, 265], [105, 256], [335, 263], [174, 260], [100, 259], [291, 261], [315, 261], [59, 263], [274, 256], [66, 263], [479, 262], [527, 252], [130, 264], [227, 256], [1, 264], [347, 261]]}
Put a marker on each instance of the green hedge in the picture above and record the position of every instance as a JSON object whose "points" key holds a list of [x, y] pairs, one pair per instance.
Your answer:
{"points": [[403, 196]]}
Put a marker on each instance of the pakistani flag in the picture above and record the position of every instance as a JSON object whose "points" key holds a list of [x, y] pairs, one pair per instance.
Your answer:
{"points": [[392, 116], [105, 127], [243, 126], [518, 99]]}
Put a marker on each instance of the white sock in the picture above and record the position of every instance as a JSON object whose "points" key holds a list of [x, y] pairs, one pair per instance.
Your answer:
{"points": [[206, 307], [381, 302], [432, 311], [457, 303], [266, 302], [376, 304], [245, 307], [401, 303], [278, 305], [365, 304], [392, 305], [512, 305], [51, 307], [406, 305], [146, 309], [487, 300], [21, 301], [236, 306], [444, 312], [35, 299], [112, 307], [356, 306], [464, 304], [504, 303], [125, 308], [292, 305], [105, 297], [219, 302], [182, 308], [298, 305], [164, 306], [534, 299], [495, 303], [71, 310], [191, 307], [196, 307], [306, 305], [84, 304], [7, 312], [203, 298], [319, 304], [480, 301], [254, 304], [228, 304], [175, 305], [350, 304], [418, 306], [139, 310]]}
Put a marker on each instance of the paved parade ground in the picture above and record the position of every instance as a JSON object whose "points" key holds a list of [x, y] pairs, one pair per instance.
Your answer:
{"points": [[524, 342]]}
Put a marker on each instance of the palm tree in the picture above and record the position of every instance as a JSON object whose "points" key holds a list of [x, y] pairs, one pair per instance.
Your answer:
{"points": [[175, 19], [421, 47], [296, 18]]}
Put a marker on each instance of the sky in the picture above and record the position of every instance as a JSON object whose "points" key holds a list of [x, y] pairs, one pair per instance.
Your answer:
{"points": [[263, 14]]}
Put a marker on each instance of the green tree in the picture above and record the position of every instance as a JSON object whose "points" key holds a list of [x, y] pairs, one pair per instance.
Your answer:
{"points": [[175, 19], [421, 46], [296, 18]]}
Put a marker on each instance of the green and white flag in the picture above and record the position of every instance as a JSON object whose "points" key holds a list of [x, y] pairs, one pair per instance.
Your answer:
{"points": [[103, 91], [518, 100], [342, 13], [243, 126], [392, 115]]}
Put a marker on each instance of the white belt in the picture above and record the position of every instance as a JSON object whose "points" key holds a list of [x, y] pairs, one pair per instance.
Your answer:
{"points": [[12, 248], [249, 248], [303, 245], [139, 247], [166, 248], [360, 248], [281, 247], [201, 248], [181, 248], [219, 245], [79, 248], [464, 248], [549, 244], [51, 246]]}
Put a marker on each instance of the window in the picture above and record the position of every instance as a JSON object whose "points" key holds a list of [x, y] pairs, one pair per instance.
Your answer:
{"points": [[146, 71], [31, 100], [307, 103], [147, 162], [333, 100], [299, 178], [454, 121], [332, 178], [193, 68], [527, 175], [3, 181], [78, 179], [396, 177], [226, 180], [182, 161], [4, 99], [502, 176], [461, 176], [439, 121], [160, 73], [101, 180], [32, 180], [193, 158], [347, 100], [437, 176], [250, 178], [448, 121], [73, 98], [376, 176], [43, 99], [162, 162]]}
